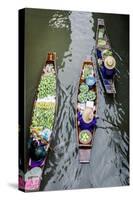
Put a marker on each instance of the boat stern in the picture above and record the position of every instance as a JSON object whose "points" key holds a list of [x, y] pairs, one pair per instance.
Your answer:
{"points": [[84, 155]]}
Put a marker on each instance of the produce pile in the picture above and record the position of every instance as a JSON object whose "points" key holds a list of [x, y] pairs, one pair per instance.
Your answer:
{"points": [[87, 72], [85, 136], [91, 95], [83, 88], [47, 86], [43, 115], [83, 97], [45, 105], [101, 42], [106, 53], [85, 94]]}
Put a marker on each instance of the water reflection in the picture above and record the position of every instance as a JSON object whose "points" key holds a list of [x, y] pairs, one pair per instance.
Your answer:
{"points": [[59, 20]]}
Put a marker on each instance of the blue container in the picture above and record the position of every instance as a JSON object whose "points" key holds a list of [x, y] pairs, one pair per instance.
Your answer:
{"points": [[90, 81]]}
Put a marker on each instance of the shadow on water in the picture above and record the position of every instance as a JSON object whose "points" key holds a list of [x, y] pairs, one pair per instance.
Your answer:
{"points": [[71, 35]]}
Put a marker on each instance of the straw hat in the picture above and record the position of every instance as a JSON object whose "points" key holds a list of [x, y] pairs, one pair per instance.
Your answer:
{"points": [[110, 62], [88, 115]]}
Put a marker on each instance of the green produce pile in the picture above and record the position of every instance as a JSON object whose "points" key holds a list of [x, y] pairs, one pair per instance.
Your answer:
{"points": [[83, 87], [91, 95], [47, 86], [86, 95], [45, 105], [82, 97], [107, 53], [87, 72], [43, 117], [85, 136], [101, 42]]}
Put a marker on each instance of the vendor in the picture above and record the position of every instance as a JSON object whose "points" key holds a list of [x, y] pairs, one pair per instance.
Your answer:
{"points": [[87, 120], [109, 64], [37, 154], [39, 137]]}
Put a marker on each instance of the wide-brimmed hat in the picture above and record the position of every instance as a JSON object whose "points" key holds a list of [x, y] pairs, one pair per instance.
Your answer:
{"points": [[110, 62], [88, 115]]}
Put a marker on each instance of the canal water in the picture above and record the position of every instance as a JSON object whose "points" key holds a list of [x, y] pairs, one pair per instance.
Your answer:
{"points": [[72, 36]]}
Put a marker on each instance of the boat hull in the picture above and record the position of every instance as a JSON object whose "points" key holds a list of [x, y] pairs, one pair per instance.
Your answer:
{"points": [[84, 149], [40, 137], [108, 83]]}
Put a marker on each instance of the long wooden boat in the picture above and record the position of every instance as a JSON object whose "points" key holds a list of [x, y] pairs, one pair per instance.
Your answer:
{"points": [[85, 135], [41, 126], [103, 45]]}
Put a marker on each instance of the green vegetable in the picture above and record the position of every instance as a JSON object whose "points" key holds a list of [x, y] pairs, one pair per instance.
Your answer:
{"points": [[83, 88], [91, 95], [101, 42], [47, 86], [87, 72], [82, 97], [43, 117], [85, 136], [43, 113], [86, 95], [107, 53]]}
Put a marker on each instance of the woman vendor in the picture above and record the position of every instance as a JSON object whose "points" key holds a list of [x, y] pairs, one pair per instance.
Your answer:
{"points": [[87, 120], [107, 63], [108, 69], [37, 148]]}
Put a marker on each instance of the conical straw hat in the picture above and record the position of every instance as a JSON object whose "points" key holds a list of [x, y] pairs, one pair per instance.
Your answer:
{"points": [[110, 62], [88, 115]]}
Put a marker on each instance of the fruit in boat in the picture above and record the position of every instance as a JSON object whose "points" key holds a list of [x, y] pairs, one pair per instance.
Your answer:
{"points": [[43, 116], [83, 88], [85, 136], [101, 42], [82, 97], [87, 72], [47, 86], [91, 95]]}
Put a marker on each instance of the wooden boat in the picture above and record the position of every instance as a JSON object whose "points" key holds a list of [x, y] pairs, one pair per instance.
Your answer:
{"points": [[102, 44], [85, 145], [42, 125]]}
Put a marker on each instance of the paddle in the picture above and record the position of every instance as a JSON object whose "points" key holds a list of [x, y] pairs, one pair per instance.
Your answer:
{"points": [[117, 70], [51, 149]]}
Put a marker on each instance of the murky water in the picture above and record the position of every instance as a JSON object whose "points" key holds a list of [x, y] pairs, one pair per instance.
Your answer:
{"points": [[72, 36]]}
